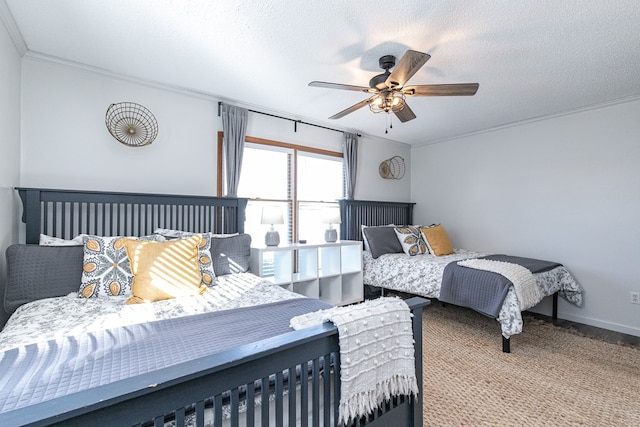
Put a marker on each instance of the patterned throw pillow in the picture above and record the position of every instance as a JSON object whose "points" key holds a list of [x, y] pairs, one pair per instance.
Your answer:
{"points": [[105, 268], [204, 251], [411, 240]]}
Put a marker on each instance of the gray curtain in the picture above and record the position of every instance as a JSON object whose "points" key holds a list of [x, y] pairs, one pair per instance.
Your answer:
{"points": [[350, 159], [234, 128]]}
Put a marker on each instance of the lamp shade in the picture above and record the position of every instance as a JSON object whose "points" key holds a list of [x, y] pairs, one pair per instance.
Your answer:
{"points": [[331, 216], [272, 215]]}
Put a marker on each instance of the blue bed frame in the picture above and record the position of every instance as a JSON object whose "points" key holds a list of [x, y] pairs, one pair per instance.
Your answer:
{"points": [[171, 394], [356, 213]]}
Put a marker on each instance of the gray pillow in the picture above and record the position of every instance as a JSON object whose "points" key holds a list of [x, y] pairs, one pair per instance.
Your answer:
{"points": [[35, 272], [382, 240], [230, 254]]}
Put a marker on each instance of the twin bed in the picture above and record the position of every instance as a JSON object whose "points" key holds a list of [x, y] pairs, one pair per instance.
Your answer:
{"points": [[226, 357], [423, 274]]}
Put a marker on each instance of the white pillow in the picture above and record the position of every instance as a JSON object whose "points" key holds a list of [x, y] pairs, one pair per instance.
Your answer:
{"points": [[177, 234], [56, 241]]}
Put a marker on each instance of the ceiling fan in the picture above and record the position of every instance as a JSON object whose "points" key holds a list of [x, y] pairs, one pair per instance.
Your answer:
{"points": [[389, 90]]}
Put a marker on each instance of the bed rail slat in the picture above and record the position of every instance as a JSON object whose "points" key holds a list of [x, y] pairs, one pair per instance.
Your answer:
{"points": [[315, 393], [217, 411], [279, 399], [264, 396], [235, 407], [180, 413], [200, 413], [326, 389], [336, 387], [251, 408], [304, 393], [45, 218], [291, 373]]}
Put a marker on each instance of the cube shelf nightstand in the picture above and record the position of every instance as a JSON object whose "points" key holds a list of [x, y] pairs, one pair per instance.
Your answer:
{"points": [[331, 272]]}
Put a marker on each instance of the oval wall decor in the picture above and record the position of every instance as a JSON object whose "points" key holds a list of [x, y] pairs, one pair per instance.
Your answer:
{"points": [[131, 124], [392, 168]]}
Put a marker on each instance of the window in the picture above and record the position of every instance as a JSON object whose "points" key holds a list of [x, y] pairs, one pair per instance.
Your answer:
{"points": [[304, 182], [320, 183]]}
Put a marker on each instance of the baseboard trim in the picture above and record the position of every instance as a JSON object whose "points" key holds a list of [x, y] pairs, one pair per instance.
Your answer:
{"points": [[604, 332]]}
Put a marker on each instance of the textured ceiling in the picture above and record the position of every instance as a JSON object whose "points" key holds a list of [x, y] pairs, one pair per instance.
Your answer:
{"points": [[531, 58]]}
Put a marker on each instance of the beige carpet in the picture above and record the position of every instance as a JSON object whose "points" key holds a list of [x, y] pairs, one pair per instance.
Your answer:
{"points": [[552, 377]]}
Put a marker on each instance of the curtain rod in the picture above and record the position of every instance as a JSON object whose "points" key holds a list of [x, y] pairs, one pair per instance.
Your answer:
{"points": [[295, 122]]}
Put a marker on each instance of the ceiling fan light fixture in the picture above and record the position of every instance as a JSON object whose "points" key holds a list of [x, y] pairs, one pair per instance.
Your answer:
{"points": [[387, 90], [388, 103], [398, 99]]}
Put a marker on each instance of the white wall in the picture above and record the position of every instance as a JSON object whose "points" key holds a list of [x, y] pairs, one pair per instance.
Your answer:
{"points": [[9, 148], [65, 143], [566, 189], [371, 186]]}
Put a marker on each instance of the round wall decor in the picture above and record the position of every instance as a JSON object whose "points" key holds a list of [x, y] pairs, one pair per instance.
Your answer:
{"points": [[131, 124], [392, 168]]}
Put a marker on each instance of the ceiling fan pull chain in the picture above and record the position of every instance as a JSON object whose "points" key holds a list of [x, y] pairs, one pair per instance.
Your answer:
{"points": [[389, 123]]}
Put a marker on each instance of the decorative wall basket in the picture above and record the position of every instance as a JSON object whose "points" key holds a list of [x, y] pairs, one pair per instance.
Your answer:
{"points": [[131, 124], [392, 168]]}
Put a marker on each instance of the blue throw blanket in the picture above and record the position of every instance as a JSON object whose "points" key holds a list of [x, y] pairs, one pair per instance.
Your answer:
{"points": [[484, 291], [44, 371]]}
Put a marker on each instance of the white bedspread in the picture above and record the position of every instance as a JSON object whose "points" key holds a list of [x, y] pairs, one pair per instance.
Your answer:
{"points": [[376, 353], [56, 317], [422, 275]]}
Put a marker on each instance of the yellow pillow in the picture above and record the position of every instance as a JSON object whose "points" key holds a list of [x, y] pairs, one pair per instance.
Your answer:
{"points": [[437, 240], [164, 270]]}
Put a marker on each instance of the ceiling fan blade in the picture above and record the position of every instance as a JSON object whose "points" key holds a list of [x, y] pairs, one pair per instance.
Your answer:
{"points": [[409, 64], [456, 89], [405, 114], [339, 86], [351, 109]]}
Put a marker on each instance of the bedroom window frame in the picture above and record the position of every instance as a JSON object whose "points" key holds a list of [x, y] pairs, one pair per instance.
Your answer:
{"points": [[293, 202]]}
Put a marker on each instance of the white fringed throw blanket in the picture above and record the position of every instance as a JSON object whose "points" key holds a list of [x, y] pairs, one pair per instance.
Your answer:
{"points": [[376, 352], [524, 283]]}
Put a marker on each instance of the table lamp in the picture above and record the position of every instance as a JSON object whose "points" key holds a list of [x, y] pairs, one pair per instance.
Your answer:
{"points": [[272, 215], [332, 216]]}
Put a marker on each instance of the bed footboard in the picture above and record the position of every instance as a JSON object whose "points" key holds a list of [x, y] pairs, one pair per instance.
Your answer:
{"points": [[187, 391]]}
